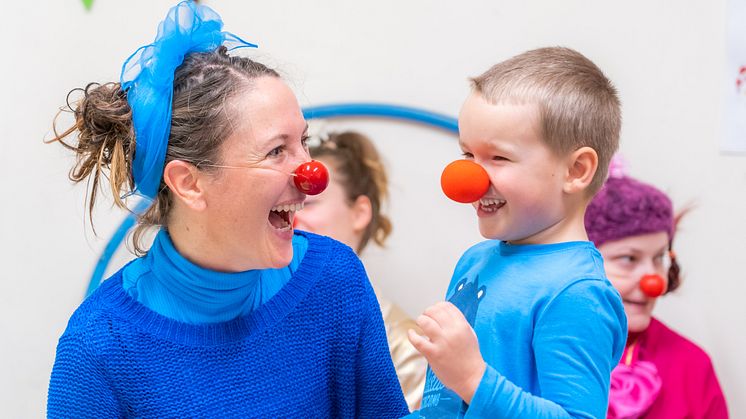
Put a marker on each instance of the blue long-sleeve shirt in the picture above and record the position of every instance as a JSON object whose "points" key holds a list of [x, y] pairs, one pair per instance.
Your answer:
{"points": [[317, 348], [550, 327]]}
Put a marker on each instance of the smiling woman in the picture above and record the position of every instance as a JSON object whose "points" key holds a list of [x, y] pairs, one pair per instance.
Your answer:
{"points": [[230, 313], [661, 374], [215, 215]]}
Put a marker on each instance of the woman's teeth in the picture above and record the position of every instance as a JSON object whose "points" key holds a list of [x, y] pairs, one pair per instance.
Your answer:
{"points": [[288, 208], [281, 216]]}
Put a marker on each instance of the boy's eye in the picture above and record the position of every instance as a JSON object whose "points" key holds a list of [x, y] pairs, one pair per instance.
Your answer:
{"points": [[467, 155], [499, 158]]}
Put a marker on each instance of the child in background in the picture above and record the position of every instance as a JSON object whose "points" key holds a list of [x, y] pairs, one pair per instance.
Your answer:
{"points": [[662, 374], [532, 327], [350, 211]]}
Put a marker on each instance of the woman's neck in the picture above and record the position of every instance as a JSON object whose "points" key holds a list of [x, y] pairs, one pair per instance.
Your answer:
{"points": [[192, 240]]}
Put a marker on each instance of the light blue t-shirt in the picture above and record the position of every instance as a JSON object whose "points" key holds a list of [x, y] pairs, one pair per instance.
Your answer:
{"points": [[169, 284], [550, 326]]}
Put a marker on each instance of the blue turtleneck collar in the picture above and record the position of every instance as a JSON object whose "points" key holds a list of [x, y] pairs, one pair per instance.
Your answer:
{"points": [[169, 284]]}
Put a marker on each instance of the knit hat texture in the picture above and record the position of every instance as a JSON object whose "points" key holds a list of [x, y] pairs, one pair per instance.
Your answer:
{"points": [[626, 207]]}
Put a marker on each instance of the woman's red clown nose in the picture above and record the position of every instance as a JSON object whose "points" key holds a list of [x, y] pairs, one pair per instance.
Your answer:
{"points": [[653, 285], [311, 178]]}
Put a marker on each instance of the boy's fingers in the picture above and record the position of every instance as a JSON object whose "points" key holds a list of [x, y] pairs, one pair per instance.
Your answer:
{"points": [[448, 316], [420, 343], [453, 312], [429, 327], [439, 313], [432, 311]]}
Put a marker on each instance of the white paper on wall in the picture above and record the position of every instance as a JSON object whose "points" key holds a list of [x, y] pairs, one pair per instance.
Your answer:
{"points": [[734, 140]]}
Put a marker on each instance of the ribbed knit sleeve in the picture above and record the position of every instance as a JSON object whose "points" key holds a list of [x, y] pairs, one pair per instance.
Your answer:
{"points": [[79, 387]]}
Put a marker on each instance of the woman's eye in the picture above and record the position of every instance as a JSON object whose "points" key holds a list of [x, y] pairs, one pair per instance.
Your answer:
{"points": [[658, 260], [626, 259], [304, 141], [276, 151]]}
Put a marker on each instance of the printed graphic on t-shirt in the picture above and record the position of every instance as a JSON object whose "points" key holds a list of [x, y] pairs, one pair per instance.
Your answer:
{"points": [[439, 401]]}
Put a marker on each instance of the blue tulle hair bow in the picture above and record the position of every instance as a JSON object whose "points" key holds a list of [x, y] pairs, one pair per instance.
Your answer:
{"points": [[148, 76]]}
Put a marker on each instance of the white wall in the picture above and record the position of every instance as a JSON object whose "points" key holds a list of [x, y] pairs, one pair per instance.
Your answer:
{"points": [[666, 58]]}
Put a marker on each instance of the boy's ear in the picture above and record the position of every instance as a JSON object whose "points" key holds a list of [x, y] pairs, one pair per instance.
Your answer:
{"points": [[185, 182], [582, 166], [362, 213]]}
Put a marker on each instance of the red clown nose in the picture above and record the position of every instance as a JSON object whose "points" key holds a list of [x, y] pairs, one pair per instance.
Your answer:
{"points": [[652, 285], [311, 177], [464, 181]]}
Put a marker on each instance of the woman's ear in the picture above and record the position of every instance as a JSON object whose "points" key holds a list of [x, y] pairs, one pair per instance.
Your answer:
{"points": [[582, 166], [362, 213], [184, 181]]}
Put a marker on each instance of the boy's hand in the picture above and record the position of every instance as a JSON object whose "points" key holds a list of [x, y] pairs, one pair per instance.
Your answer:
{"points": [[451, 348]]}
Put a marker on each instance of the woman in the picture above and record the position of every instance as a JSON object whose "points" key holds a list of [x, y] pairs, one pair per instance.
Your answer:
{"points": [[661, 374], [230, 313], [350, 211]]}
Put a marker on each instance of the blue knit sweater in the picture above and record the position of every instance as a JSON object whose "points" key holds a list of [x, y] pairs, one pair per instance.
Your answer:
{"points": [[316, 349]]}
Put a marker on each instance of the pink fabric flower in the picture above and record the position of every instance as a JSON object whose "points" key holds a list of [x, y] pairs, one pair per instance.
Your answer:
{"points": [[634, 388]]}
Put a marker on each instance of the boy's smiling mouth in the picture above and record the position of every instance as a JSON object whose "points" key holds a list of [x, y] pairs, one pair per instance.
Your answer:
{"points": [[490, 205]]}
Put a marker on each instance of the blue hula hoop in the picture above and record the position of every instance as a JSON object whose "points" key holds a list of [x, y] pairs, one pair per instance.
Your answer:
{"points": [[360, 110]]}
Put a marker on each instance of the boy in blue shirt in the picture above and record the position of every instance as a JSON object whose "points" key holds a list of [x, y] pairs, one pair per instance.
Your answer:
{"points": [[532, 327]]}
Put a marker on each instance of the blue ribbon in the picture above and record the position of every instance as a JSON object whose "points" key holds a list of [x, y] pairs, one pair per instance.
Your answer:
{"points": [[148, 76]]}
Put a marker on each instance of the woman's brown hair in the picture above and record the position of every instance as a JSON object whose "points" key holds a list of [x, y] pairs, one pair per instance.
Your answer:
{"points": [[200, 123], [361, 173], [674, 270]]}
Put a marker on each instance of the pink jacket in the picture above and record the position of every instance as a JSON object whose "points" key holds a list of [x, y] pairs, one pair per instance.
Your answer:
{"points": [[666, 376]]}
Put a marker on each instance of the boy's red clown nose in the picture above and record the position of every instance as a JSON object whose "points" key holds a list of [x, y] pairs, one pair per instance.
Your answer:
{"points": [[311, 177], [464, 181], [652, 285]]}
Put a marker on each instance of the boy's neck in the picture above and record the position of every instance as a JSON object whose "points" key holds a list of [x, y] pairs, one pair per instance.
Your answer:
{"points": [[568, 229]]}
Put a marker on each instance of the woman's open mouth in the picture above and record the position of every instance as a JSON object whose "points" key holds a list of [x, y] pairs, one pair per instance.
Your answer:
{"points": [[281, 216]]}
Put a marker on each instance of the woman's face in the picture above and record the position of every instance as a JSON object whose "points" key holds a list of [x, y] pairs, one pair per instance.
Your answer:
{"points": [[250, 209], [330, 213], [626, 261]]}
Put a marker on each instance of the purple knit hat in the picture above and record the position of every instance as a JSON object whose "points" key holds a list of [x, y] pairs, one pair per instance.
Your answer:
{"points": [[626, 207]]}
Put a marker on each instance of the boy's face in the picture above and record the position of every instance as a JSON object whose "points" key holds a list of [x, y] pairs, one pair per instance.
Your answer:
{"points": [[524, 203]]}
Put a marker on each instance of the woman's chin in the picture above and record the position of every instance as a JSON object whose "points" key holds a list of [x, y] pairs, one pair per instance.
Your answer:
{"points": [[282, 256], [638, 323]]}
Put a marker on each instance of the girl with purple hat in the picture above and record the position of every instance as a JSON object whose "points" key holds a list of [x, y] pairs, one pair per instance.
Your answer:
{"points": [[661, 374]]}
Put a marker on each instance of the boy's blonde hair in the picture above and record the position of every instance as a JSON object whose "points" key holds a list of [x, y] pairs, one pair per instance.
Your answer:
{"points": [[578, 105]]}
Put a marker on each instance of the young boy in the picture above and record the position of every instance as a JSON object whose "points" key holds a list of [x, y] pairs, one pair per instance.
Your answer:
{"points": [[532, 328]]}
